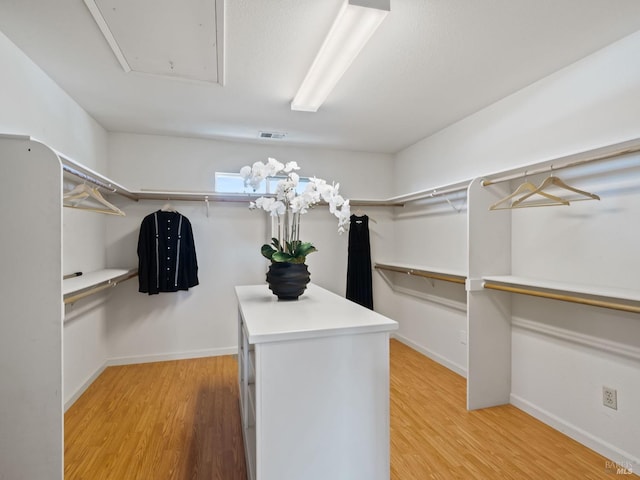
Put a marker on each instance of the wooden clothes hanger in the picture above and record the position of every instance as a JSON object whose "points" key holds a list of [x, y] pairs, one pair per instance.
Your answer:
{"points": [[528, 189], [552, 180], [81, 192]]}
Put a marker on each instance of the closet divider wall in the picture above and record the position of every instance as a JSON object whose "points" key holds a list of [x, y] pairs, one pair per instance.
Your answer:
{"points": [[488, 315], [31, 312]]}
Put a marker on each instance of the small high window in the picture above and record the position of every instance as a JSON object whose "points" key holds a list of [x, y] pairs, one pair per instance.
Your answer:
{"points": [[234, 183]]}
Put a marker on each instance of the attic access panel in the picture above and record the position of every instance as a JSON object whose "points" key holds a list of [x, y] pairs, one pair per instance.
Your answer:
{"points": [[165, 37]]}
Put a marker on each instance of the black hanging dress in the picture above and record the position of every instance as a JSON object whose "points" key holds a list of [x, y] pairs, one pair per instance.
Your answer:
{"points": [[359, 287]]}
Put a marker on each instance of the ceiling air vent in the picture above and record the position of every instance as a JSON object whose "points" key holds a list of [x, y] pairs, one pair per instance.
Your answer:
{"points": [[274, 135]]}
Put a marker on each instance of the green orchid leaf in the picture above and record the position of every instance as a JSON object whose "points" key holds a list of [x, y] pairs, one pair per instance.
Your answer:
{"points": [[267, 251], [295, 251], [304, 249], [282, 257]]}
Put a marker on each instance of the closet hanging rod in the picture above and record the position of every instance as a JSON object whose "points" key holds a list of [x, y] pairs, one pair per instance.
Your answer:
{"points": [[99, 182], [177, 195], [75, 296], [565, 298], [87, 293], [430, 193], [422, 273], [375, 203], [186, 196], [574, 160]]}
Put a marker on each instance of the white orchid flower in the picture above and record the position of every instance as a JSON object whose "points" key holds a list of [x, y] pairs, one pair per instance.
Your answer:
{"points": [[344, 217], [257, 168], [265, 203], [285, 190], [245, 172], [291, 166], [318, 181], [288, 199], [299, 205], [277, 208], [274, 166], [310, 197], [256, 176], [326, 191], [334, 202]]}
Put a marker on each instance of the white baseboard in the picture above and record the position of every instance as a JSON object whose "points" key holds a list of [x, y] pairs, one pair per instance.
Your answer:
{"points": [[620, 458], [210, 352], [163, 357], [76, 395], [460, 370]]}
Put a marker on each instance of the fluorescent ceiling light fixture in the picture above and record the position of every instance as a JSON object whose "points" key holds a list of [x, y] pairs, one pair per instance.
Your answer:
{"points": [[351, 30]]}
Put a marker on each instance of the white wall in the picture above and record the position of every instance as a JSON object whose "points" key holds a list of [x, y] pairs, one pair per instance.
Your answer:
{"points": [[432, 314], [588, 104], [203, 320], [562, 354], [32, 104]]}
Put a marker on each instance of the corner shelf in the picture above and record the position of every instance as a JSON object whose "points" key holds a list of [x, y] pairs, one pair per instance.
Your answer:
{"points": [[566, 291], [76, 288], [398, 285]]}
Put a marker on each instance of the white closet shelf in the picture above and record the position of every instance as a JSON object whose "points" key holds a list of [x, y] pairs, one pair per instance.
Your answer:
{"points": [[75, 288], [606, 152], [446, 275], [175, 195], [110, 186], [566, 291], [86, 174]]}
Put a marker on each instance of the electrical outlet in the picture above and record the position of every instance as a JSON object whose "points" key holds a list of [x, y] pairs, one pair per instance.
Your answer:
{"points": [[610, 397]]}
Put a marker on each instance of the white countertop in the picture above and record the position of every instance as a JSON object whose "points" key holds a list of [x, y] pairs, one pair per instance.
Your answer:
{"points": [[317, 313]]}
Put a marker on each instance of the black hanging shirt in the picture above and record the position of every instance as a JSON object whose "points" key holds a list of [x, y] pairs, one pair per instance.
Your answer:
{"points": [[166, 253]]}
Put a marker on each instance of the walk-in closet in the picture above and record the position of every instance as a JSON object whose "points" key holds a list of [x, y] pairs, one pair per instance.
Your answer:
{"points": [[480, 320]]}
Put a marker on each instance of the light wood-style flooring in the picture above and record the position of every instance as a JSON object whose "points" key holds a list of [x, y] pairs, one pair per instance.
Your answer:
{"points": [[173, 420], [179, 420]]}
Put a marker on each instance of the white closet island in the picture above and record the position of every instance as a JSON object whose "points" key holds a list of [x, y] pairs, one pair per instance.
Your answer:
{"points": [[314, 386]]}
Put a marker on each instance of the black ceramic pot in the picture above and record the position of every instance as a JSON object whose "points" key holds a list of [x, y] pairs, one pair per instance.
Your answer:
{"points": [[288, 280]]}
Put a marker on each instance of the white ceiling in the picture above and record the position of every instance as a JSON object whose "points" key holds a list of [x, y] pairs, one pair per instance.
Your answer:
{"points": [[431, 63], [180, 39]]}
